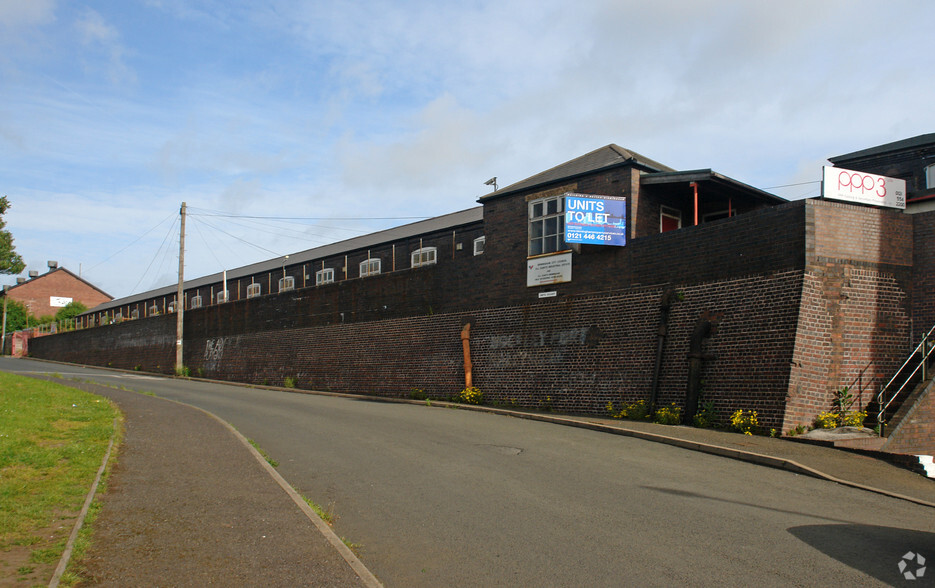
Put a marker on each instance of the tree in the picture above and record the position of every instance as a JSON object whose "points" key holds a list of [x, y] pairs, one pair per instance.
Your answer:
{"points": [[17, 317], [10, 260], [70, 311]]}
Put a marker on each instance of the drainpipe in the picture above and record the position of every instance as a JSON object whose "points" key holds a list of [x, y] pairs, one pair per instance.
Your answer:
{"points": [[665, 303], [695, 186], [466, 347], [705, 327]]}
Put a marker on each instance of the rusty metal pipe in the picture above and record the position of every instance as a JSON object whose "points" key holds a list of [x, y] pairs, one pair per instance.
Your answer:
{"points": [[466, 347]]}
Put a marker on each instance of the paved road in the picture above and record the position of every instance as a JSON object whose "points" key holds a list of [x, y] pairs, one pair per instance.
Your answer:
{"points": [[441, 497]]}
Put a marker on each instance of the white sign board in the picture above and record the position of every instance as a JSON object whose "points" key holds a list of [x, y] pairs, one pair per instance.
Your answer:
{"points": [[59, 301], [548, 269], [853, 186]]}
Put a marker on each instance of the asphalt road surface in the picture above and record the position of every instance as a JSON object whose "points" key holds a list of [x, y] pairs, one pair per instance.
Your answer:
{"points": [[444, 497]]}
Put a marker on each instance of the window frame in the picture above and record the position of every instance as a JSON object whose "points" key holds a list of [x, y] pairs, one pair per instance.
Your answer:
{"points": [[254, 290], [482, 241], [671, 213], [286, 284], [324, 276], [423, 251], [373, 265], [541, 239], [195, 302]]}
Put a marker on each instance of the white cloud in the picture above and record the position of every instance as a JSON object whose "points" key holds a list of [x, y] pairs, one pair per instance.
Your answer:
{"points": [[96, 32]]}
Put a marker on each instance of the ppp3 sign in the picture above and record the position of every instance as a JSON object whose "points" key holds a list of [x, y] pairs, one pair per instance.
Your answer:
{"points": [[854, 186]]}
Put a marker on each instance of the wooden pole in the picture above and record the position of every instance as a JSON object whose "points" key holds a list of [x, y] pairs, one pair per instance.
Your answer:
{"points": [[180, 301]]}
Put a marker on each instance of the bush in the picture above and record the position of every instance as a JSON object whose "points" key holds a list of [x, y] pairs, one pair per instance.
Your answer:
{"points": [[744, 421], [706, 415], [471, 395], [854, 419], [826, 420], [668, 415], [637, 411], [833, 420]]}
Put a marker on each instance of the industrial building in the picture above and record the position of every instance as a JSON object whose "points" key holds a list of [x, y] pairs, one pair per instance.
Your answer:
{"points": [[712, 291]]}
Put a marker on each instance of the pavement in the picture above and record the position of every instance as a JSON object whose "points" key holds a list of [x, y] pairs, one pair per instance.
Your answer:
{"points": [[189, 502]]}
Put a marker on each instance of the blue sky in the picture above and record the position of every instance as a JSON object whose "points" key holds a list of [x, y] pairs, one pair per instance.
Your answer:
{"points": [[112, 113]]}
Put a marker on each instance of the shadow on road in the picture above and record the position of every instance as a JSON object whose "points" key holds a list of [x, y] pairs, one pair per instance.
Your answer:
{"points": [[886, 553]]}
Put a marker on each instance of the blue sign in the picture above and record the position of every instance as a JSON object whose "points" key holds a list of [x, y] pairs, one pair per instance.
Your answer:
{"points": [[598, 220]]}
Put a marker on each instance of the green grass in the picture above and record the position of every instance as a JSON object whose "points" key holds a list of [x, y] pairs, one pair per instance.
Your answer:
{"points": [[52, 441], [263, 452]]}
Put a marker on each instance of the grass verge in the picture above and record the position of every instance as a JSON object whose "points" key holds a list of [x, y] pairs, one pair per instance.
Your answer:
{"points": [[52, 441]]}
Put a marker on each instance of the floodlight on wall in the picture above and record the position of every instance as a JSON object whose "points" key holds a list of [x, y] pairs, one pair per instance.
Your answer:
{"points": [[492, 182]]}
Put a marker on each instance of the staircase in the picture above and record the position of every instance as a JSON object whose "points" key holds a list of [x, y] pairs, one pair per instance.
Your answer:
{"points": [[910, 382]]}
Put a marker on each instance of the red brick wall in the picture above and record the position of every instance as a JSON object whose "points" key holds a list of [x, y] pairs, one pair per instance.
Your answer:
{"points": [[916, 432], [923, 283], [856, 312]]}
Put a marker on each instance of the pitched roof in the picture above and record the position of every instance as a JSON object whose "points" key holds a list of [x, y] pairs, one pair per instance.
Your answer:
{"points": [[52, 271], [904, 144], [438, 223], [606, 157]]}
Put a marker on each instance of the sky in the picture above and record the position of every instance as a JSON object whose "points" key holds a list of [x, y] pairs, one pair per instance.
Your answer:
{"points": [[335, 119]]}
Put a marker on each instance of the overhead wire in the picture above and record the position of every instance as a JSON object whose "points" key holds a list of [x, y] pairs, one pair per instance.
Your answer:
{"points": [[260, 247], [129, 244], [164, 240]]}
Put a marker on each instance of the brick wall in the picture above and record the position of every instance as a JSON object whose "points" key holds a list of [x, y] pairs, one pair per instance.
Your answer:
{"points": [[805, 296], [36, 293], [923, 283], [916, 433], [855, 317], [147, 344]]}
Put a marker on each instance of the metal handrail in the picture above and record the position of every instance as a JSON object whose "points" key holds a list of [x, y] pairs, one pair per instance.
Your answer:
{"points": [[926, 352]]}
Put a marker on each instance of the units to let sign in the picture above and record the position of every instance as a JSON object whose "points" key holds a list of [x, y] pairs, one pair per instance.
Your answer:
{"points": [[854, 186], [597, 220]]}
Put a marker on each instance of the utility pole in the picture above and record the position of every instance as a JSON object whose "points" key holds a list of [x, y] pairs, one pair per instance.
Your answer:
{"points": [[3, 337], [179, 300]]}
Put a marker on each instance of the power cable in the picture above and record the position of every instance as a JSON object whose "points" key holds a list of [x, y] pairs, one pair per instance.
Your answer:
{"points": [[129, 244], [166, 238], [242, 240]]}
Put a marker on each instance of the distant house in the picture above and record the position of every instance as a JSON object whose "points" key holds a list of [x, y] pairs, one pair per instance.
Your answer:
{"points": [[46, 294]]}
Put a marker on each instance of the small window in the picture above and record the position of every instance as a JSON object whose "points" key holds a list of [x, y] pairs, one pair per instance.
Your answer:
{"points": [[930, 177], [670, 219], [171, 308], [286, 284], [223, 297], [134, 314], [546, 225], [479, 245], [196, 301], [370, 267], [118, 317], [254, 290], [154, 310], [324, 276], [424, 256]]}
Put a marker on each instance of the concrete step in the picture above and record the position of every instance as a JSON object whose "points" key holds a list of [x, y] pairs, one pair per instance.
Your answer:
{"points": [[928, 464]]}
